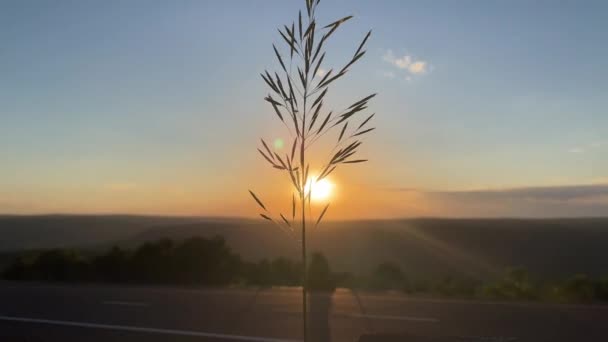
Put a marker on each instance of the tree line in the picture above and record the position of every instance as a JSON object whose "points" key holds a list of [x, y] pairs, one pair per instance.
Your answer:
{"points": [[211, 262], [194, 261]]}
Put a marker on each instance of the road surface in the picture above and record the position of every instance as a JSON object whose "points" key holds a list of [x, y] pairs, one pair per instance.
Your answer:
{"points": [[35, 312]]}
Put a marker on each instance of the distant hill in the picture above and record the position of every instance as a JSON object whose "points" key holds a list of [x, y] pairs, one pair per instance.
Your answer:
{"points": [[429, 247], [45, 231]]}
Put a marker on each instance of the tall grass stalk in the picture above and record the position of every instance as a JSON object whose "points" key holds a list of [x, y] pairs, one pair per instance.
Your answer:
{"points": [[297, 94]]}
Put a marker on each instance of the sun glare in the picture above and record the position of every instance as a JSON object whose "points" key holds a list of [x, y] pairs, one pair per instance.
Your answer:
{"points": [[319, 191]]}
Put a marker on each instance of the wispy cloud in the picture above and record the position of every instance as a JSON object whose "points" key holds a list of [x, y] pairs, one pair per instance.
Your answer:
{"points": [[538, 201], [406, 63], [556, 193], [548, 193], [576, 150], [588, 147], [321, 72]]}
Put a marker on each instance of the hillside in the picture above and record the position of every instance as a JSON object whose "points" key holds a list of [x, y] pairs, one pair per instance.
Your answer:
{"points": [[426, 247], [46, 231]]}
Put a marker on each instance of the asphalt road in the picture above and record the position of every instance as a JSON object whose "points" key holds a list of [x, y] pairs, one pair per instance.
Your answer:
{"points": [[43, 312]]}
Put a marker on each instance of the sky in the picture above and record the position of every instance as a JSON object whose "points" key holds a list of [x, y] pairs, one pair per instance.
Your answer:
{"points": [[485, 108]]}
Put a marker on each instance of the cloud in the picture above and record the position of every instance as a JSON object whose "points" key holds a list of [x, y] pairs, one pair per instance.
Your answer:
{"points": [[553, 193], [547, 193], [401, 63], [419, 67], [588, 147], [406, 63], [576, 150], [321, 72], [534, 201]]}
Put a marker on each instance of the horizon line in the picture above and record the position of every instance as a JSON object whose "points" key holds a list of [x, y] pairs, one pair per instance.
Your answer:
{"points": [[255, 218]]}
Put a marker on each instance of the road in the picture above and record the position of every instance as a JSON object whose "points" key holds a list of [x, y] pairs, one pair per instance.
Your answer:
{"points": [[44, 312]]}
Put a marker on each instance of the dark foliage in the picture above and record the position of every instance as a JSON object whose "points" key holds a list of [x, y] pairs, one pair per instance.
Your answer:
{"points": [[387, 276], [211, 262], [193, 261]]}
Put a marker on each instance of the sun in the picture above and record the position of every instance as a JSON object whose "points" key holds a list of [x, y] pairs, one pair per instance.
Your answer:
{"points": [[319, 191]]}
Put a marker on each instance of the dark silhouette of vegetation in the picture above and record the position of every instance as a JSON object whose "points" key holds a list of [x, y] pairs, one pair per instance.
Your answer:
{"points": [[211, 262], [195, 261], [388, 276], [297, 96], [515, 284], [547, 248]]}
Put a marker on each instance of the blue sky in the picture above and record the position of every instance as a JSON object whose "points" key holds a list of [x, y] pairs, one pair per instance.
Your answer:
{"points": [[105, 104]]}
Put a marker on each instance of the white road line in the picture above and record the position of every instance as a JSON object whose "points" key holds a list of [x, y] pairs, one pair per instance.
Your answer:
{"points": [[115, 302], [396, 318], [144, 330]]}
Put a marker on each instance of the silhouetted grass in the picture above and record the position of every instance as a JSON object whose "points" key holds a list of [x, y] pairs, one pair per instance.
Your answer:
{"points": [[297, 96]]}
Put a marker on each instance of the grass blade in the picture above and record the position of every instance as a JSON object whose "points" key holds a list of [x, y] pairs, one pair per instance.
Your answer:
{"points": [[363, 132], [363, 42], [271, 85], [322, 214], [293, 148], [319, 98], [324, 122], [284, 219], [314, 73], [362, 101], [273, 101], [342, 133], [280, 160], [265, 157], [293, 38], [266, 147], [327, 82], [365, 121], [315, 115], [293, 206], [324, 78], [300, 23], [277, 111], [279, 57], [338, 22], [258, 200]]}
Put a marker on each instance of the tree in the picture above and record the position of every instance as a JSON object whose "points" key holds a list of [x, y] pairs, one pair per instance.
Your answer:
{"points": [[388, 275], [297, 96]]}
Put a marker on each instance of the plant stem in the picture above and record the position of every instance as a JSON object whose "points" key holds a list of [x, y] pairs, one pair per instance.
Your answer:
{"points": [[303, 199], [304, 271]]}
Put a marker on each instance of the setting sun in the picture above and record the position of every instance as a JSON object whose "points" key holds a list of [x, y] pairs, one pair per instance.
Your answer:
{"points": [[319, 191]]}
